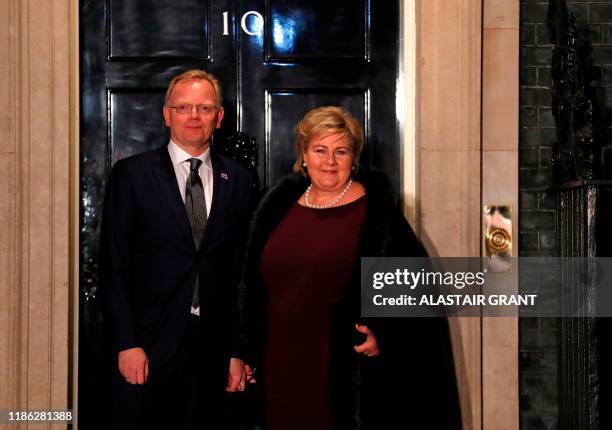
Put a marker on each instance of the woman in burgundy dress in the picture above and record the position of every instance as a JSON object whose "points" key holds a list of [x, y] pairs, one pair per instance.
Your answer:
{"points": [[319, 361]]}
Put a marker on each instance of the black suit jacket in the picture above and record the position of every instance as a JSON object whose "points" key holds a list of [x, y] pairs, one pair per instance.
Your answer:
{"points": [[149, 260]]}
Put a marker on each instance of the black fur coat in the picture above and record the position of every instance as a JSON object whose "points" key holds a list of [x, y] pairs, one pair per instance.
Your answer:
{"points": [[413, 380]]}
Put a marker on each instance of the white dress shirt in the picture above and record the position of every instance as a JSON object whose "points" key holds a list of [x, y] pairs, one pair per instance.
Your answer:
{"points": [[180, 162]]}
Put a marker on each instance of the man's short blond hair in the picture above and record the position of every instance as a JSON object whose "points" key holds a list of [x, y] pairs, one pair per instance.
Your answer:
{"points": [[195, 74]]}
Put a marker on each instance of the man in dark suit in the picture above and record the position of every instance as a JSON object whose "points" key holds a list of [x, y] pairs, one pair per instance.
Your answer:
{"points": [[172, 231]]}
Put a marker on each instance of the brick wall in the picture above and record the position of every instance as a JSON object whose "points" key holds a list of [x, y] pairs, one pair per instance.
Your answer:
{"points": [[538, 358]]}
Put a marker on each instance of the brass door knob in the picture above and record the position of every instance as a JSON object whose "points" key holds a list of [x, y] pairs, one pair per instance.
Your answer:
{"points": [[498, 240], [498, 230]]}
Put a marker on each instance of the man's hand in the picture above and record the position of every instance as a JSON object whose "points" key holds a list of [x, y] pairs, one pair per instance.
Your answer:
{"points": [[134, 365], [368, 348], [236, 377]]}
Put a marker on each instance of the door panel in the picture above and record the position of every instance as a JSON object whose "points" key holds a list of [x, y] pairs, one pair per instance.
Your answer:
{"points": [[129, 21], [350, 48], [316, 29], [135, 121]]}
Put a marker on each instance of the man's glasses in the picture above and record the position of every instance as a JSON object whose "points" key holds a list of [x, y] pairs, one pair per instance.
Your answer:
{"points": [[204, 110]]}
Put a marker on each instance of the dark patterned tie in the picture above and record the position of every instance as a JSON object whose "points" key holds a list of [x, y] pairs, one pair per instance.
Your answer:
{"points": [[195, 203]]}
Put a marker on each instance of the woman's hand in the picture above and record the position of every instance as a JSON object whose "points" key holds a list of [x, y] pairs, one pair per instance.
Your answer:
{"points": [[368, 348], [250, 374]]}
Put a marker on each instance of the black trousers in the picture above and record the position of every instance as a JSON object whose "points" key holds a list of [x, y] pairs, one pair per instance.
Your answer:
{"points": [[171, 397]]}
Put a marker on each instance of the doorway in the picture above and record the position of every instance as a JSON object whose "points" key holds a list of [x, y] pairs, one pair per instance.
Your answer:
{"points": [[276, 59]]}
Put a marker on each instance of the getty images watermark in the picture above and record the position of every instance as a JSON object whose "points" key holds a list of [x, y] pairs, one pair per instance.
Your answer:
{"points": [[435, 287]]}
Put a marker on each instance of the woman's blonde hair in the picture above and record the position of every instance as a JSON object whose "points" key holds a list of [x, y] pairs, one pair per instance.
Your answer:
{"points": [[321, 122]]}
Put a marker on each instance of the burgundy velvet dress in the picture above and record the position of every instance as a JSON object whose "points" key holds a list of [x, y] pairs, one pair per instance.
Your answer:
{"points": [[306, 265]]}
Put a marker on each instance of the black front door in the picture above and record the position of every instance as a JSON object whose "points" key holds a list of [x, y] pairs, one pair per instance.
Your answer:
{"points": [[276, 59]]}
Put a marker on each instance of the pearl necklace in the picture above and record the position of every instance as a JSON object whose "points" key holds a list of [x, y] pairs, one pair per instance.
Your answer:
{"points": [[329, 205]]}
